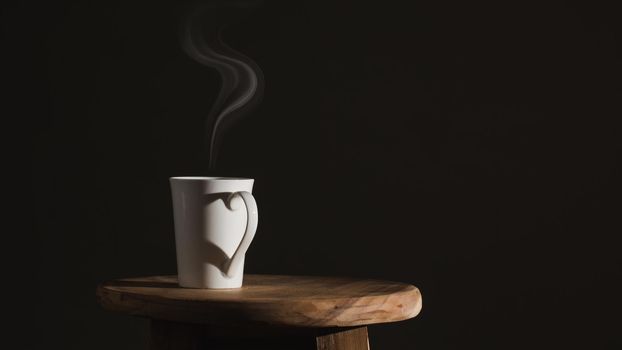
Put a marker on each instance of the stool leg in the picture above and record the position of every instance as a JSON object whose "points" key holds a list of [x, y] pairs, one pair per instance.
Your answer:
{"points": [[173, 336], [166, 335], [351, 339]]}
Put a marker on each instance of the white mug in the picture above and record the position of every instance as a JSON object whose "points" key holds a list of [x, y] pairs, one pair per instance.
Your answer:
{"points": [[215, 222]]}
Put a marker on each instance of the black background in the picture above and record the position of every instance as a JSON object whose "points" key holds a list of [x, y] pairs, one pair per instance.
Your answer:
{"points": [[470, 148]]}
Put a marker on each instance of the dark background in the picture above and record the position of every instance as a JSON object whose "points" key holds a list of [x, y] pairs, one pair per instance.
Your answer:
{"points": [[470, 148]]}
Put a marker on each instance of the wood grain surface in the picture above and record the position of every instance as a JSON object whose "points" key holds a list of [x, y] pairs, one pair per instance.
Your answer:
{"points": [[269, 300]]}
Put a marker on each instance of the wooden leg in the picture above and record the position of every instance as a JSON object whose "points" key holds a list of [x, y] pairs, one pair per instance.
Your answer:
{"points": [[167, 335], [351, 339], [173, 336]]}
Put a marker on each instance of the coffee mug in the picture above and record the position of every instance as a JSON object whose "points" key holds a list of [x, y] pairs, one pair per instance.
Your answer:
{"points": [[215, 222]]}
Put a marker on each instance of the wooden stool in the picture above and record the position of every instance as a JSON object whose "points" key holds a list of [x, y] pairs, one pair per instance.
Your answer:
{"points": [[268, 312]]}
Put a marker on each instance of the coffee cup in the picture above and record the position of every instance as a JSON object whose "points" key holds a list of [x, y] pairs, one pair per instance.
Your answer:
{"points": [[215, 222]]}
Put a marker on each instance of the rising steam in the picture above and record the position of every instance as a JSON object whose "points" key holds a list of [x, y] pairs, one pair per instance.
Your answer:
{"points": [[241, 79]]}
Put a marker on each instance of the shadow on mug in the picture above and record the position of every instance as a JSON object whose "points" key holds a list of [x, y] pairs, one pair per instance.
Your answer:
{"points": [[207, 225], [214, 255], [213, 197]]}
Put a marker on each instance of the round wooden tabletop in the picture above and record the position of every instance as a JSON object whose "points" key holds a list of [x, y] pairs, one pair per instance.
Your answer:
{"points": [[273, 300]]}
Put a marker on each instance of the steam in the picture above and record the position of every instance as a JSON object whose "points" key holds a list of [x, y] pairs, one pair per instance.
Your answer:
{"points": [[241, 79]]}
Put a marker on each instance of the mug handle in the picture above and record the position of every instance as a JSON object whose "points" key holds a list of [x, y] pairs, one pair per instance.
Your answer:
{"points": [[230, 265]]}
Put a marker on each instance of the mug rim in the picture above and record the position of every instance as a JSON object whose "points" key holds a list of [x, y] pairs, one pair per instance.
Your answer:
{"points": [[207, 178]]}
